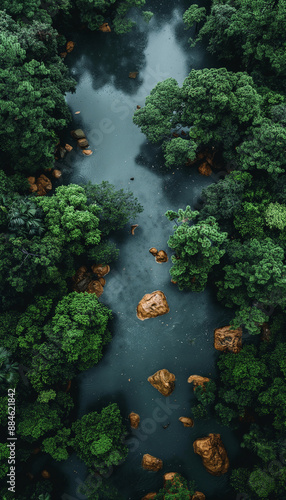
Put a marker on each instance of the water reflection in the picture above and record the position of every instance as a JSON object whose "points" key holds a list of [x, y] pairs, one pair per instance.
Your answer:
{"points": [[181, 341]]}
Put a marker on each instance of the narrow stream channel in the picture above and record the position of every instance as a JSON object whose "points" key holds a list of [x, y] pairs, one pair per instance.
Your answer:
{"points": [[181, 341]]}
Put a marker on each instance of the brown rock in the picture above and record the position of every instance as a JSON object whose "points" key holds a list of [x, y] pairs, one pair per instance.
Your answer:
{"points": [[133, 74], [33, 186], [134, 420], [213, 453], [70, 46], [138, 107], [87, 152], [188, 422], [265, 332], [44, 184], [161, 257], [81, 279], [56, 173], [163, 381], [105, 28], [100, 270], [68, 147], [63, 54], [149, 496], [151, 463], [96, 287], [205, 169], [175, 135], [78, 134], [228, 340], [173, 281], [198, 380], [62, 151], [133, 227], [198, 495], [153, 251], [45, 474], [102, 281], [82, 143], [169, 476], [152, 305]]}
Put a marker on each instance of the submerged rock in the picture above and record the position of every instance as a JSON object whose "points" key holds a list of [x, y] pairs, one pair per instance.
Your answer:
{"points": [[163, 381], [82, 143], [133, 74], [228, 340], [152, 305], [151, 463], [198, 380], [188, 422], [198, 495], [134, 420], [78, 134], [213, 453]]}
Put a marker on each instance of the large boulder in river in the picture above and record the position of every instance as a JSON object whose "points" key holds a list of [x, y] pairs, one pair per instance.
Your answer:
{"points": [[100, 270], [134, 420], [96, 287], [198, 380], [213, 453], [226, 339], [163, 381], [152, 305], [151, 463]]}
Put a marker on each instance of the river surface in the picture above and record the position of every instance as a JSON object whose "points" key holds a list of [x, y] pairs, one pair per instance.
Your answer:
{"points": [[181, 341]]}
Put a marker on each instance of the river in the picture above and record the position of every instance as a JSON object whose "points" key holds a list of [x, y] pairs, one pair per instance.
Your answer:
{"points": [[181, 341]]}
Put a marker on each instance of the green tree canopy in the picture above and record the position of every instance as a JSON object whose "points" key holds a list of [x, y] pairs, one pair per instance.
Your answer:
{"points": [[197, 249]]}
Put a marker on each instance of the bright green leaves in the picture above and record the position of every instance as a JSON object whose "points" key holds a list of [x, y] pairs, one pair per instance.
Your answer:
{"points": [[197, 249], [215, 104], [69, 218], [99, 438], [275, 216]]}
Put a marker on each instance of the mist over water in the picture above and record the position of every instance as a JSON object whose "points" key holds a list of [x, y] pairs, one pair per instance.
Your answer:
{"points": [[182, 340]]}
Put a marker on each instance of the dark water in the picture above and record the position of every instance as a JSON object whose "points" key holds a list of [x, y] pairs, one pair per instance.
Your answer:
{"points": [[181, 341]]}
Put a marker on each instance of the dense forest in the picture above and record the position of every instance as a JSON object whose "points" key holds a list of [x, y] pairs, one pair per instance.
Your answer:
{"points": [[234, 241]]}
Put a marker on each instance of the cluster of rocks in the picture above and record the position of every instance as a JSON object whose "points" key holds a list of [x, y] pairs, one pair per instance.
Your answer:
{"points": [[160, 255], [206, 162], [170, 476], [61, 151], [41, 185], [91, 282], [82, 141], [69, 48], [152, 305]]}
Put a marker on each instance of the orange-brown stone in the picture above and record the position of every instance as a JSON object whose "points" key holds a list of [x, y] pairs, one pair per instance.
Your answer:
{"points": [[134, 420], [151, 463], [100, 270], [198, 380], [105, 28], [152, 305], [56, 174], [205, 169], [228, 340], [153, 251], [68, 147], [133, 74], [87, 152], [133, 227], [149, 496], [45, 474], [213, 453], [70, 46], [188, 422], [163, 381], [161, 257]]}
